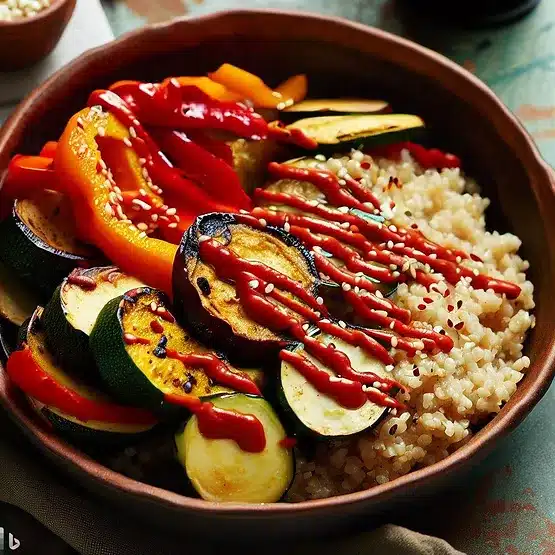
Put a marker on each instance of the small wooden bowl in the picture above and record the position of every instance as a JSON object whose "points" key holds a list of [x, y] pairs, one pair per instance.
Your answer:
{"points": [[26, 41]]}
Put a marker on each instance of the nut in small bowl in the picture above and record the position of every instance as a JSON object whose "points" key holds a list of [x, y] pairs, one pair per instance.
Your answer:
{"points": [[30, 29]]}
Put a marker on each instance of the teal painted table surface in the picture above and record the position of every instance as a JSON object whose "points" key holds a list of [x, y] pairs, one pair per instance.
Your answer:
{"points": [[508, 504]]}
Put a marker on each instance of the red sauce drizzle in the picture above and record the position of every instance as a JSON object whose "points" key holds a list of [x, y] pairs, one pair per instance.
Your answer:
{"points": [[250, 283], [216, 423], [130, 339], [85, 282], [216, 370], [156, 326], [402, 243]]}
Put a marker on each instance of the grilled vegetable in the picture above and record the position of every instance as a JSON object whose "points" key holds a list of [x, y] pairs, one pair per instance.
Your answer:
{"points": [[74, 409], [319, 414], [17, 302], [221, 471], [209, 305], [71, 313], [38, 242], [335, 106], [134, 342], [356, 131]]}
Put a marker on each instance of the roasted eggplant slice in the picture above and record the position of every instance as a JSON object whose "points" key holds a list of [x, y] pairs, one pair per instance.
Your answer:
{"points": [[71, 313], [221, 471], [316, 413], [38, 242], [335, 106], [117, 430], [133, 341], [358, 131], [210, 307]]}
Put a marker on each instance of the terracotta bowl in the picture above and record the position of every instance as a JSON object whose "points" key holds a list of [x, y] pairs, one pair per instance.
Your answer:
{"points": [[346, 58], [26, 41]]}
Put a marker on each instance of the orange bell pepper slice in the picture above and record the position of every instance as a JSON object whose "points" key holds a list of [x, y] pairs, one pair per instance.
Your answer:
{"points": [[98, 202], [247, 85], [207, 86], [293, 89], [49, 149]]}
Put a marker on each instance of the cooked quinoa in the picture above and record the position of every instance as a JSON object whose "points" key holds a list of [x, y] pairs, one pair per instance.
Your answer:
{"points": [[448, 395]]}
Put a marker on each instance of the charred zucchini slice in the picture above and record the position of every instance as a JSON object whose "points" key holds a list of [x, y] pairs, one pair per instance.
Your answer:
{"points": [[220, 471], [361, 130], [319, 414], [17, 302], [209, 306], [74, 429], [130, 343], [71, 313], [38, 242], [335, 106]]}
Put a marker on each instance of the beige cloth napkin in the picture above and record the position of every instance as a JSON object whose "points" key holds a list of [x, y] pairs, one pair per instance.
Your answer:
{"points": [[94, 528]]}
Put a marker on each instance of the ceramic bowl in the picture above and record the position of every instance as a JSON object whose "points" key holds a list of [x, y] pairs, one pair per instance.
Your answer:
{"points": [[24, 42], [340, 58]]}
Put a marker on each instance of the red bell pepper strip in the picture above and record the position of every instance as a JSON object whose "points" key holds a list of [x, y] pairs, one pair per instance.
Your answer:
{"points": [[175, 187], [187, 107], [427, 158], [215, 176], [27, 174], [49, 149], [27, 374], [217, 147]]}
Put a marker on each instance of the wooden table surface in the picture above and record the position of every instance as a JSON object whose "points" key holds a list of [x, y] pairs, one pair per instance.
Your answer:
{"points": [[507, 504]]}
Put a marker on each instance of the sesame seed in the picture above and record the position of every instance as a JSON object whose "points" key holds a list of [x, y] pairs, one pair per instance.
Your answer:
{"points": [[142, 192], [476, 272], [393, 228], [80, 122], [153, 306], [127, 142], [390, 244], [343, 209], [392, 325], [396, 274], [141, 204], [154, 217], [142, 161], [108, 209], [144, 172], [378, 294], [345, 286], [324, 321], [357, 289], [132, 132], [142, 226], [101, 131], [389, 367], [142, 235], [263, 222], [306, 326], [173, 225], [287, 227], [376, 385], [120, 212], [203, 238], [393, 266], [319, 300], [254, 283], [394, 341], [342, 324]]}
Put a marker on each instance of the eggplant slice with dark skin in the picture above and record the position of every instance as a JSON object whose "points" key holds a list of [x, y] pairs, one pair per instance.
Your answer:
{"points": [[208, 306]]}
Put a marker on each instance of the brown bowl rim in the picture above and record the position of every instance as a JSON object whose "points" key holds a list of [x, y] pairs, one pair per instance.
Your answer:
{"points": [[54, 7], [506, 420]]}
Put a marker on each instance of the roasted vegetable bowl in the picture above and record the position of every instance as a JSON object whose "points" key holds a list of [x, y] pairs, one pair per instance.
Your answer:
{"points": [[244, 290]]}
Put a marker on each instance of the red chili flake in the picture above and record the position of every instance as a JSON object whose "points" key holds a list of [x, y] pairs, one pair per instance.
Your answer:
{"points": [[459, 304], [475, 258], [365, 165], [428, 300], [414, 226], [416, 372], [176, 382], [449, 322], [421, 307], [450, 307], [446, 293], [392, 204], [156, 326], [288, 442], [459, 326]]}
